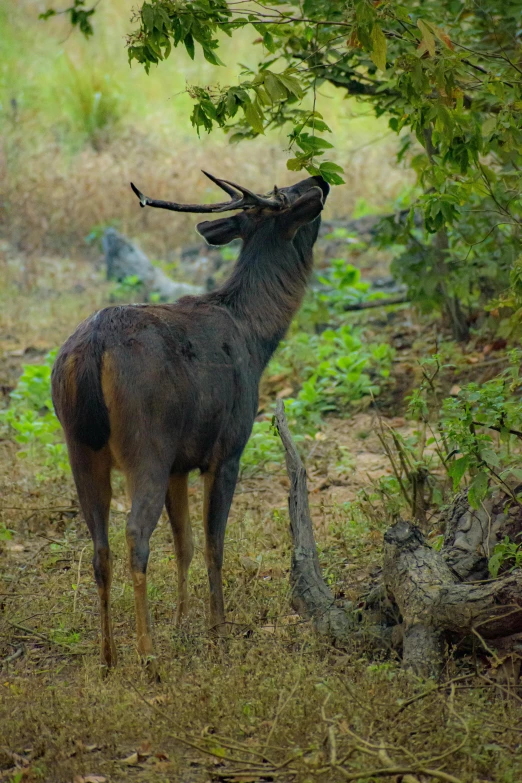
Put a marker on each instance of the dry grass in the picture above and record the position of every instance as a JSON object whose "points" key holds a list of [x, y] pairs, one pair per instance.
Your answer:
{"points": [[271, 687], [52, 202]]}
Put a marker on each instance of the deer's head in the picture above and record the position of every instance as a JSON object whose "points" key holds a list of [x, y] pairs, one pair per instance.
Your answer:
{"points": [[282, 213]]}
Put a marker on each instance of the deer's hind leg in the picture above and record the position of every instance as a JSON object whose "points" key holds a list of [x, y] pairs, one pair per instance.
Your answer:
{"points": [[92, 476], [148, 490], [178, 511]]}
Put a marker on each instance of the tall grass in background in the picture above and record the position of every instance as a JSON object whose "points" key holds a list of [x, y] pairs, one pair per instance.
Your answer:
{"points": [[77, 124]]}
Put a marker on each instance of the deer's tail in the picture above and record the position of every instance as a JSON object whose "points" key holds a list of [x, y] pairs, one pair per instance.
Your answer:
{"points": [[77, 391]]}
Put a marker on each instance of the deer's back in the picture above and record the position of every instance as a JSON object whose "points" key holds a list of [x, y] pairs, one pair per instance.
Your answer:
{"points": [[178, 381]]}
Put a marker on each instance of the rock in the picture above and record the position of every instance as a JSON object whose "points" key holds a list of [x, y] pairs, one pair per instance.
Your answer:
{"points": [[125, 259]]}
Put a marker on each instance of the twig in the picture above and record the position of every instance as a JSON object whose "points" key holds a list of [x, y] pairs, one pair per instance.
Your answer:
{"points": [[431, 691], [190, 742], [279, 711], [462, 722], [486, 646], [39, 508], [10, 658], [391, 771], [78, 580], [385, 759], [395, 469], [507, 691], [498, 429], [42, 636]]}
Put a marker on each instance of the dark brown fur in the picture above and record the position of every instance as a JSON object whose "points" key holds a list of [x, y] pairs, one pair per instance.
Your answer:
{"points": [[160, 390]]}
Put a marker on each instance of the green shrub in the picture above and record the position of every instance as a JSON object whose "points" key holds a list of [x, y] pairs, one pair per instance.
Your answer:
{"points": [[469, 419], [263, 449], [337, 369], [90, 100], [505, 553], [30, 416]]}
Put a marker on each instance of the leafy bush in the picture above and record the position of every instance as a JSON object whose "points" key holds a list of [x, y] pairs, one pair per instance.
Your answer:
{"points": [[495, 406], [6, 533], [263, 449], [505, 553], [343, 283], [336, 369], [31, 417], [90, 100], [470, 438], [127, 290]]}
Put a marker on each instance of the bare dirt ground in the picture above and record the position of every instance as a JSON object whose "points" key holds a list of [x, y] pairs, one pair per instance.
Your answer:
{"points": [[269, 702]]}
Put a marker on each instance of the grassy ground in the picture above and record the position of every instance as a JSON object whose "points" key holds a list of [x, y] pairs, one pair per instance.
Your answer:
{"points": [[271, 690]]}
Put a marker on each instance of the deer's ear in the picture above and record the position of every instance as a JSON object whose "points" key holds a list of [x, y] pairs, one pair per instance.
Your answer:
{"points": [[220, 232], [302, 211]]}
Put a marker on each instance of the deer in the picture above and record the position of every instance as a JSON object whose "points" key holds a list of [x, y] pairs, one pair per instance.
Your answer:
{"points": [[159, 390]]}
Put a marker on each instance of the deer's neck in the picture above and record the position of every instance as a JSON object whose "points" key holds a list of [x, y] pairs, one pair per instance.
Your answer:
{"points": [[266, 289]]}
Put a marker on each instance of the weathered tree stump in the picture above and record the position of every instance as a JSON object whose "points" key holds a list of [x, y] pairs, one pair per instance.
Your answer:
{"points": [[434, 602], [439, 596], [311, 596], [470, 535]]}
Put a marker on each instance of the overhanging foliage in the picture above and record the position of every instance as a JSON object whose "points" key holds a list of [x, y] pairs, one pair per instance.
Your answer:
{"points": [[446, 73]]}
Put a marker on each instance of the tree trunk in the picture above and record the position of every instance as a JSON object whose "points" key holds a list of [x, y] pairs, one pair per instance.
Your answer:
{"points": [[452, 307]]}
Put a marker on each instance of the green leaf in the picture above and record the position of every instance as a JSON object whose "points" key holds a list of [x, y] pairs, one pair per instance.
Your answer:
{"points": [[211, 57], [262, 95], [317, 123], [427, 37], [332, 168], [269, 42], [254, 117], [275, 87], [199, 119], [378, 53], [490, 457], [331, 172], [478, 489], [442, 36], [295, 164], [489, 126], [189, 45], [312, 144], [291, 84], [147, 17], [494, 563], [161, 13], [457, 469]]}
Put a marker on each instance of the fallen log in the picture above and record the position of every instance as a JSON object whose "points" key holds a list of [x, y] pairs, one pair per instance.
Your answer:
{"points": [[124, 259]]}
